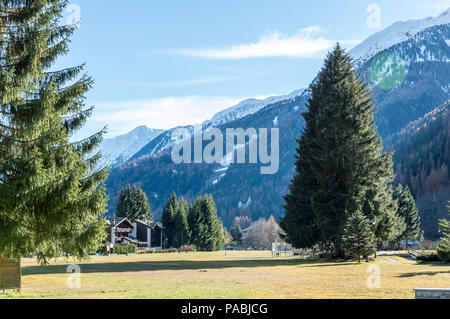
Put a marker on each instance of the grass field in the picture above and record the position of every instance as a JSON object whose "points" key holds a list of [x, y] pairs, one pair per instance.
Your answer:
{"points": [[236, 275]]}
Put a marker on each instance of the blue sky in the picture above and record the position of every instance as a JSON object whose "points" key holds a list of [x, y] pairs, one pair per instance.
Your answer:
{"points": [[173, 62]]}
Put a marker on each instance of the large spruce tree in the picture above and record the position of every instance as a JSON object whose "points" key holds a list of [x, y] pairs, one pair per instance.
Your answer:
{"points": [[51, 196], [133, 204], [204, 224], [340, 165], [408, 211]]}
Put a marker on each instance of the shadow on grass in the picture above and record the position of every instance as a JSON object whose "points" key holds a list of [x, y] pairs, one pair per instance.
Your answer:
{"points": [[164, 265], [334, 263], [423, 273]]}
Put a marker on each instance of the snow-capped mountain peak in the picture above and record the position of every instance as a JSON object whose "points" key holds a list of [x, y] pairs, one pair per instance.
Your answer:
{"points": [[120, 149], [167, 140], [396, 33]]}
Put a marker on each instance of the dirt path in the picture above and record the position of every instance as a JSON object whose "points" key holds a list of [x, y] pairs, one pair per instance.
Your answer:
{"points": [[391, 261]]}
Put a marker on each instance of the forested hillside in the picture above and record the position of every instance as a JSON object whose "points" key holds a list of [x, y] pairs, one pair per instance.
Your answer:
{"points": [[422, 159]]}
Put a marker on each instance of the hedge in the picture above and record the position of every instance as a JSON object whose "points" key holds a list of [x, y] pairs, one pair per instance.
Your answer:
{"points": [[428, 257], [124, 249]]}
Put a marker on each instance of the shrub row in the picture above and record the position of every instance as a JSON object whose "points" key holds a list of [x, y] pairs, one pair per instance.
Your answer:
{"points": [[124, 249], [443, 255], [428, 257], [185, 248]]}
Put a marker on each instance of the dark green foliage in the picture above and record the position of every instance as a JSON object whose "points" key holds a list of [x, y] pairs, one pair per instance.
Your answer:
{"points": [[197, 224], [428, 257], [124, 205], [142, 208], [408, 211], [443, 249], [180, 225], [133, 204], [51, 195], [122, 249], [175, 221], [167, 218], [358, 238], [340, 164], [236, 233], [204, 224]]}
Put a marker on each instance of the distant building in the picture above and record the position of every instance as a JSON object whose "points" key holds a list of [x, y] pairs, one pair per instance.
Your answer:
{"points": [[245, 232], [143, 234]]}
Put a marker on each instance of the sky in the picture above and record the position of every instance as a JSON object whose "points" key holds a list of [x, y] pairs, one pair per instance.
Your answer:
{"points": [[169, 63]]}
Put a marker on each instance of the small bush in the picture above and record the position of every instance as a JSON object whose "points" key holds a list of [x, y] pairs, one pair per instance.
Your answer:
{"points": [[428, 257], [443, 256], [169, 250], [131, 249], [187, 248]]}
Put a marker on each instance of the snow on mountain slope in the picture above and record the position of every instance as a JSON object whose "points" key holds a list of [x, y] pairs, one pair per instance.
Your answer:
{"points": [[247, 107], [118, 150], [396, 33], [166, 140]]}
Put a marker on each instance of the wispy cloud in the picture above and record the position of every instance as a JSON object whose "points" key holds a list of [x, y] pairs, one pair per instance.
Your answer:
{"points": [[441, 6], [162, 113], [204, 80], [305, 43]]}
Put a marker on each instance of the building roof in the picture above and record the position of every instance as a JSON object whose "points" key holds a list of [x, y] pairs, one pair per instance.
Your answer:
{"points": [[114, 222], [149, 224]]}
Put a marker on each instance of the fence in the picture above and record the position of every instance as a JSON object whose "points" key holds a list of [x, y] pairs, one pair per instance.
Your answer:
{"points": [[282, 248], [10, 274], [429, 293]]}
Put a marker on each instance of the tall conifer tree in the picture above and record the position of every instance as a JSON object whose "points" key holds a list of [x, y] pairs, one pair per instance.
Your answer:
{"points": [[180, 224], [133, 204], [339, 160], [443, 249], [204, 224], [51, 196], [124, 204], [408, 211], [167, 218], [141, 206]]}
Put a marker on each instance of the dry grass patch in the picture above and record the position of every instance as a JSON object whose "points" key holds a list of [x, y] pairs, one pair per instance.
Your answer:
{"points": [[236, 275]]}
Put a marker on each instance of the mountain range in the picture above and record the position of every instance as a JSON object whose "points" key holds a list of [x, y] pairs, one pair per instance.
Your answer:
{"points": [[120, 149], [420, 48]]}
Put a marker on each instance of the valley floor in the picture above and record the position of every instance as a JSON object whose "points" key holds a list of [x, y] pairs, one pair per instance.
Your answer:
{"points": [[236, 275]]}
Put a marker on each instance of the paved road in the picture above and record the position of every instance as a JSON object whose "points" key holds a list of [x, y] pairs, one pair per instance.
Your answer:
{"points": [[391, 252], [392, 261]]}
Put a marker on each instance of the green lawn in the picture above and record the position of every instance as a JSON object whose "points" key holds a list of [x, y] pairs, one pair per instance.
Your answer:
{"points": [[236, 275]]}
